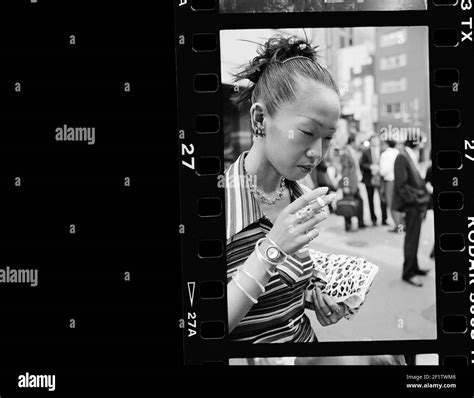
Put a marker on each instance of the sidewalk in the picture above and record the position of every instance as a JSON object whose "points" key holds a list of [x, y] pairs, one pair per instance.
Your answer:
{"points": [[393, 310]]}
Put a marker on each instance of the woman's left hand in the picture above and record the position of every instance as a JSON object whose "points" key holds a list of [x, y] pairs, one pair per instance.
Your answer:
{"points": [[328, 312]]}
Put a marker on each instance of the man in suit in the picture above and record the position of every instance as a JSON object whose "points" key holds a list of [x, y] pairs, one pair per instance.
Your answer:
{"points": [[411, 197], [351, 176], [370, 167]]}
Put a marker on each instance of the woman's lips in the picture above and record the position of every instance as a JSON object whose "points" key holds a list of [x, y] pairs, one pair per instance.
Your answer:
{"points": [[305, 169]]}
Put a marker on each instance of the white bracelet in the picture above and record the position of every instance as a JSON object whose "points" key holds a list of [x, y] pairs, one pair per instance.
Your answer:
{"points": [[262, 288], [243, 290]]}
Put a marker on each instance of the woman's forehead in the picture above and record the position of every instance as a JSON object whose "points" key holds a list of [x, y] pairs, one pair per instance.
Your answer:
{"points": [[315, 101]]}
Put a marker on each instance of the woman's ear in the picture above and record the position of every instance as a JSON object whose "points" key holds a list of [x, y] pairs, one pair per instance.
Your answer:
{"points": [[257, 116]]}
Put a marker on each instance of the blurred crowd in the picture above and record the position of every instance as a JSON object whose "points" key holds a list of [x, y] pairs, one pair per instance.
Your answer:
{"points": [[369, 165], [386, 169]]}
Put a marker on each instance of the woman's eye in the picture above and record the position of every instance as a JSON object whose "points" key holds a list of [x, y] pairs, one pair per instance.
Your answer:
{"points": [[307, 133]]}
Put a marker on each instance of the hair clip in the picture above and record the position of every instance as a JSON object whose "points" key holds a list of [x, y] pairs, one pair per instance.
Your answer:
{"points": [[297, 57], [302, 46]]}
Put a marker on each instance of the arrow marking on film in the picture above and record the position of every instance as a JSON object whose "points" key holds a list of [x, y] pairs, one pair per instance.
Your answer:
{"points": [[191, 288]]}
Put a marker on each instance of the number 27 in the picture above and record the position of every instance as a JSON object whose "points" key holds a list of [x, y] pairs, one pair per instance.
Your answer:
{"points": [[188, 151]]}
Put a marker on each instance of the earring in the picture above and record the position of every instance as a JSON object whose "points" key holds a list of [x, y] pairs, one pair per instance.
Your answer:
{"points": [[258, 131]]}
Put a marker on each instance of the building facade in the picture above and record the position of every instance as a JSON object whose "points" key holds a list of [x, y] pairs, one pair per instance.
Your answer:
{"points": [[402, 82]]}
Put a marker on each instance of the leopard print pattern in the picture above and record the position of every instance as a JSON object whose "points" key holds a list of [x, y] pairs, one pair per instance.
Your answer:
{"points": [[345, 279]]}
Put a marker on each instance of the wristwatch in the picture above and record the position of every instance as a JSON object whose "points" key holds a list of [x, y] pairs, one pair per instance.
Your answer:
{"points": [[274, 254]]}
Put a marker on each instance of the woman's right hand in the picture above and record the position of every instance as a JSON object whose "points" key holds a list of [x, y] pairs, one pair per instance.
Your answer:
{"points": [[289, 231]]}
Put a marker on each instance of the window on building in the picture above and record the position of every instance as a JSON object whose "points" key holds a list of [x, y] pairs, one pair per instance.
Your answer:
{"points": [[393, 110], [393, 62], [394, 38], [393, 86]]}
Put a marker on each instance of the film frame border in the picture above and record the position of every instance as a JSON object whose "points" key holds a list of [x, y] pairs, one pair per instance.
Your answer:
{"points": [[330, 6], [201, 163]]}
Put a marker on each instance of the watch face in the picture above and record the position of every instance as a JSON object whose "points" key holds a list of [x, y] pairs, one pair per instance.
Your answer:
{"points": [[273, 253]]}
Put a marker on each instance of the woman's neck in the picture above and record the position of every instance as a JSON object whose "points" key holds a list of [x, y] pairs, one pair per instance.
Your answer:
{"points": [[258, 166]]}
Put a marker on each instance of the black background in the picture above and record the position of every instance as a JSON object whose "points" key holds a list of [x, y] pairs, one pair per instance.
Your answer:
{"points": [[126, 336]]}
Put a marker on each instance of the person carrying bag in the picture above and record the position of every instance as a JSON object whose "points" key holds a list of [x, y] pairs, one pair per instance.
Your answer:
{"points": [[351, 205]]}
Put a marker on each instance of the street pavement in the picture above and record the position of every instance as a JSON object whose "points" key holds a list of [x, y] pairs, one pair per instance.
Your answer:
{"points": [[393, 309]]}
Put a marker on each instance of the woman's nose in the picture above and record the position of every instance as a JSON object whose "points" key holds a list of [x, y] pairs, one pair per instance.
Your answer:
{"points": [[316, 151]]}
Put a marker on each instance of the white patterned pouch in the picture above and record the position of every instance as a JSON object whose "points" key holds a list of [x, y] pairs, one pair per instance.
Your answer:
{"points": [[345, 279]]}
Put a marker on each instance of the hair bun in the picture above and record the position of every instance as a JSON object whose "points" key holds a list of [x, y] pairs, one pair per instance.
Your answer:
{"points": [[272, 56], [277, 49]]}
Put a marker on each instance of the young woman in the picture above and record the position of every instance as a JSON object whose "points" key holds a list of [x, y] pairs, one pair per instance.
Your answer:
{"points": [[271, 219]]}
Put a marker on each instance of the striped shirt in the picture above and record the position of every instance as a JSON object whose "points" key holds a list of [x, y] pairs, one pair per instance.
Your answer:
{"points": [[279, 316]]}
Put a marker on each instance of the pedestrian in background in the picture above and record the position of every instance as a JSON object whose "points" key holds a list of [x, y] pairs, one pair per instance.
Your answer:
{"points": [[410, 196], [370, 167], [350, 178], [320, 177], [387, 164]]}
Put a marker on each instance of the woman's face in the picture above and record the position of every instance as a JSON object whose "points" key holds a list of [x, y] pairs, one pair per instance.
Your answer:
{"points": [[299, 134]]}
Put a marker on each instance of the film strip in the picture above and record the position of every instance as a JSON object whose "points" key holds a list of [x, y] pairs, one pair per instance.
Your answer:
{"points": [[201, 110]]}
